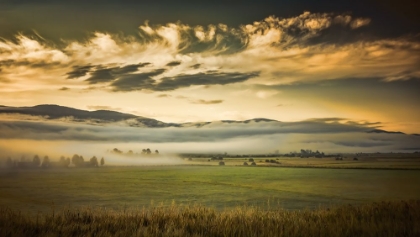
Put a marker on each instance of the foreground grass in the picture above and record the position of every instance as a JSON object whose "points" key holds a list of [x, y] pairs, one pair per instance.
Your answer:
{"points": [[375, 219]]}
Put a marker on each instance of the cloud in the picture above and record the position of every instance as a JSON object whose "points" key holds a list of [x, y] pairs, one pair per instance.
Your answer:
{"points": [[283, 50], [102, 107], [79, 71], [359, 22], [64, 89], [173, 63], [146, 81], [137, 81], [192, 100], [208, 78], [163, 96], [196, 66], [207, 102], [107, 74]]}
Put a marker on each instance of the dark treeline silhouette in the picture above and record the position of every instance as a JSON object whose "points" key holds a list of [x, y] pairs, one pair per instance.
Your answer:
{"points": [[63, 162], [146, 151]]}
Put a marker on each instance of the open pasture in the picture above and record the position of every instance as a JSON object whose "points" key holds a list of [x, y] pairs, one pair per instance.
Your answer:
{"points": [[213, 186], [405, 161]]}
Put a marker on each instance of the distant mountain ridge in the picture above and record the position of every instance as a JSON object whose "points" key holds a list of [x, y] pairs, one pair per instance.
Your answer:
{"points": [[52, 111]]}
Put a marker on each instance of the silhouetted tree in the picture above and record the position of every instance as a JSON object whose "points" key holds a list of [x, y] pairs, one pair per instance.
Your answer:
{"points": [[77, 160], [148, 151], [46, 162], [64, 162], [116, 150], [93, 161], [156, 152], [36, 161], [102, 161]]}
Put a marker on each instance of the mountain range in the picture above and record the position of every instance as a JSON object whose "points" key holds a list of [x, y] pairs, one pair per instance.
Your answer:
{"points": [[57, 112]]}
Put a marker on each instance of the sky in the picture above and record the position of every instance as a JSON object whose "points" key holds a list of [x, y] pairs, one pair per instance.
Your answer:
{"points": [[179, 61]]}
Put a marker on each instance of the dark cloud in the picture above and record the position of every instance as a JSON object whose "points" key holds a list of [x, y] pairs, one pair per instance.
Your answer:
{"points": [[102, 73], [101, 76], [28, 63], [136, 81], [173, 63], [79, 71], [64, 89], [207, 102], [144, 81], [196, 66], [209, 78]]}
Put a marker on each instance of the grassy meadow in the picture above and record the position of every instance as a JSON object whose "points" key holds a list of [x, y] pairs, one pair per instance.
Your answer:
{"points": [[201, 198], [218, 187]]}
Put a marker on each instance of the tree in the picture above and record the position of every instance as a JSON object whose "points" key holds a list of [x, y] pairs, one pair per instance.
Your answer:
{"points": [[64, 162], [116, 150], [102, 161], [36, 161], [93, 161], [148, 151], [156, 152], [46, 162], [77, 160]]}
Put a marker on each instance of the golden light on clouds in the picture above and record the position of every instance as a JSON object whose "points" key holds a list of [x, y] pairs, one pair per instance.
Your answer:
{"points": [[215, 66]]}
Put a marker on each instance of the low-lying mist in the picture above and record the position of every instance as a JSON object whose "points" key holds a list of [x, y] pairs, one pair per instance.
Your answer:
{"points": [[57, 138]]}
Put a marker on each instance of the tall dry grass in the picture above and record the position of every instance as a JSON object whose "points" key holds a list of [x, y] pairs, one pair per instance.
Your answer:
{"points": [[376, 219]]}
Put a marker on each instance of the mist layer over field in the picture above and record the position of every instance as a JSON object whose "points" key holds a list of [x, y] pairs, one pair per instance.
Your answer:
{"points": [[57, 138]]}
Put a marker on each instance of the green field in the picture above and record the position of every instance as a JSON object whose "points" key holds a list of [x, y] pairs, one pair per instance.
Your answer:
{"points": [[213, 186]]}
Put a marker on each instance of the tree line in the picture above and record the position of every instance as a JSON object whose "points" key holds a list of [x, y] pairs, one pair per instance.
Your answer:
{"points": [[63, 162]]}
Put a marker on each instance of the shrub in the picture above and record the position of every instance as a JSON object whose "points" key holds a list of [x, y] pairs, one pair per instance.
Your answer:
{"points": [[221, 163], [245, 163]]}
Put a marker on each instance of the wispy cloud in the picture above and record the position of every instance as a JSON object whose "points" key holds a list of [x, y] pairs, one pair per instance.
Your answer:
{"points": [[207, 102]]}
